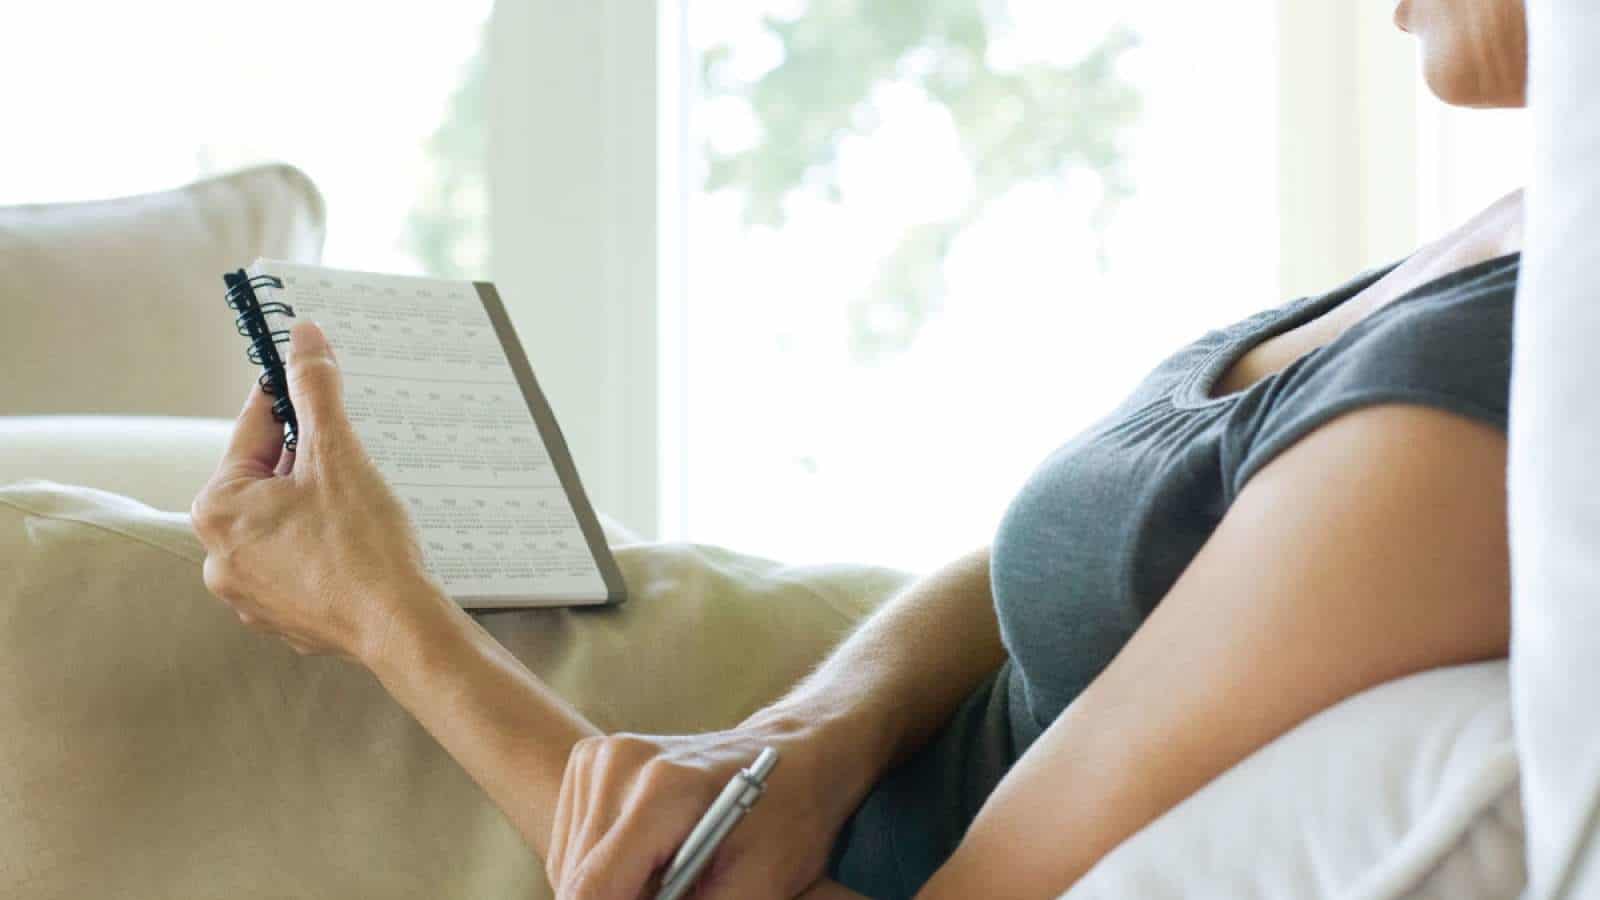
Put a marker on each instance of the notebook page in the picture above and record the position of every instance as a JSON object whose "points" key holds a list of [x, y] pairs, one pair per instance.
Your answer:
{"points": [[439, 409]]}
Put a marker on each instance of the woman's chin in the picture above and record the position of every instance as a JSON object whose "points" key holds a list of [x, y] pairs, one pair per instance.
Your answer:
{"points": [[1402, 16], [1465, 94]]}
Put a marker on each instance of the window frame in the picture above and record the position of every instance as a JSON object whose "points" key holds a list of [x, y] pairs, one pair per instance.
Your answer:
{"points": [[584, 246], [1348, 143]]}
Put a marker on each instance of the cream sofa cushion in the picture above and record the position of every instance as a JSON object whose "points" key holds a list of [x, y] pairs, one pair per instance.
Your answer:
{"points": [[151, 747], [158, 460], [116, 306]]}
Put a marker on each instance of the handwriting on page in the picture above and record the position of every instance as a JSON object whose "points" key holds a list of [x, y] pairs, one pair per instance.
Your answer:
{"points": [[438, 408]]}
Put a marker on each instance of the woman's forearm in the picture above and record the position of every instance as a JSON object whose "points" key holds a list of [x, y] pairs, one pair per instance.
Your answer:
{"points": [[879, 696], [508, 730], [314, 546], [902, 674]]}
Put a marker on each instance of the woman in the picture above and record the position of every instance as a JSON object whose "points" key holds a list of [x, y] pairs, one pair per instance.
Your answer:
{"points": [[1290, 510]]}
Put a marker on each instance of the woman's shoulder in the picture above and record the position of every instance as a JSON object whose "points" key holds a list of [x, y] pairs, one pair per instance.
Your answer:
{"points": [[1452, 335], [1447, 346]]}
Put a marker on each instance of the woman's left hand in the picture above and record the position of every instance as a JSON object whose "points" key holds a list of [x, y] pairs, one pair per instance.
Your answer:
{"points": [[310, 545]]}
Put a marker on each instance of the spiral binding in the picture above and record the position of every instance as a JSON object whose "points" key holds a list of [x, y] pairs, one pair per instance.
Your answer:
{"points": [[264, 341]]}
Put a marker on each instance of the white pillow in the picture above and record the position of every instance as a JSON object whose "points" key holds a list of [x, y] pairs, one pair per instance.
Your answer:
{"points": [[1406, 790], [116, 306]]}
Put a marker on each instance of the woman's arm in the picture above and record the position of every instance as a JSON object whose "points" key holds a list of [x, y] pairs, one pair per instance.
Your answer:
{"points": [[900, 676], [1373, 549], [503, 725], [313, 547], [882, 693], [629, 800]]}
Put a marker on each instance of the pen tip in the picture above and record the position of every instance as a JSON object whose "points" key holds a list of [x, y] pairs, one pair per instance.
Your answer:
{"points": [[764, 764]]}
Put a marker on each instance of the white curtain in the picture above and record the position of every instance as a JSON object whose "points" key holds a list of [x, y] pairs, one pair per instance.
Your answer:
{"points": [[1555, 451]]}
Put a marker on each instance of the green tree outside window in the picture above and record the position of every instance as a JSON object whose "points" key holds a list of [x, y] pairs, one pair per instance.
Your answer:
{"points": [[1016, 125]]}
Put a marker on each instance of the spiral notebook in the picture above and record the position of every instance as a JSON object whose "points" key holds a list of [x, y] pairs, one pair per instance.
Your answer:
{"points": [[442, 396]]}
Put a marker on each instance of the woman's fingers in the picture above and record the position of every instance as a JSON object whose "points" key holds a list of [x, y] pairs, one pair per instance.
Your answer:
{"points": [[555, 855], [325, 557], [640, 808], [257, 440], [570, 806], [629, 801], [315, 386], [597, 813], [608, 776], [621, 864]]}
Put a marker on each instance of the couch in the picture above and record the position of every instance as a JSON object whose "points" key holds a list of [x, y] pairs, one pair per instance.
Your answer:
{"points": [[150, 747]]}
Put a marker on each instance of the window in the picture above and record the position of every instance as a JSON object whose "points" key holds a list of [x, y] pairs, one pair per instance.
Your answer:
{"points": [[818, 279], [929, 242], [107, 99]]}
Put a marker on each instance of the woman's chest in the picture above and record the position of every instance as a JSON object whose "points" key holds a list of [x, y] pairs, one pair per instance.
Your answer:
{"points": [[1124, 489], [1097, 536]]}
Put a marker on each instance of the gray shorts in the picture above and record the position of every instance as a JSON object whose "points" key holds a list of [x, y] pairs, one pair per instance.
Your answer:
{"points": [[916, 815]]}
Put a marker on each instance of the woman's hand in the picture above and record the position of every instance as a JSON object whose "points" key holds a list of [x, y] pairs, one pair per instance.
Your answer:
{"points": [[628, 801], [310, 545]]}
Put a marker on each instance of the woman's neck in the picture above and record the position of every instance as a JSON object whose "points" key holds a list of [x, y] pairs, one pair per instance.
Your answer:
{"points": [[1494, 232]]}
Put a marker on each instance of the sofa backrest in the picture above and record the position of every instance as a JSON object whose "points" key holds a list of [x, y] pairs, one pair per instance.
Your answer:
{"points": [[116, 306]]}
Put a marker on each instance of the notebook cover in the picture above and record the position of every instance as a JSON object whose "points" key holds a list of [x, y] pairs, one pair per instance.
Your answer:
{"points": [[560, 456]]}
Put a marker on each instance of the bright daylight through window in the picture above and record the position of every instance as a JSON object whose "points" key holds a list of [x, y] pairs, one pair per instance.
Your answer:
{"points": [[926, 241], [930, 241], [381, 119]]}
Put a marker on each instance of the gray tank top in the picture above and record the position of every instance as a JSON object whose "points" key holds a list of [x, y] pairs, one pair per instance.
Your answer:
{"points": [[1109, 521], [1107, 524]]}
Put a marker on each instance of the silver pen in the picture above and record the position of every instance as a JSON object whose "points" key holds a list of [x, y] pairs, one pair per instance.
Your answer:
{"points": [[735, 800]]}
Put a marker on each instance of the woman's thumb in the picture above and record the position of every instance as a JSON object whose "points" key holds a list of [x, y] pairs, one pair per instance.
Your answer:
{"points": [[315, 386]]}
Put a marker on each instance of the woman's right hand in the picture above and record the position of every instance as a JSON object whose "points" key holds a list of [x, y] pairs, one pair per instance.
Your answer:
{"points": [[628, 801], [312, 546]]}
